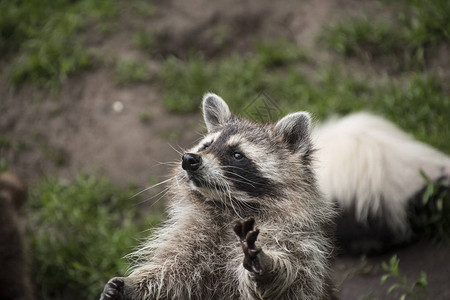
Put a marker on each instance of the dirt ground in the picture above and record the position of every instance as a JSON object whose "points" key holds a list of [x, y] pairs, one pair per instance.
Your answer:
{"points": [[94, 126]]}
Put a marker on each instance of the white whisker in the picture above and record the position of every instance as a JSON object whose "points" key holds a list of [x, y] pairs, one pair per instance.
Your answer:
{"points": [[156, 195], [177, 151], [248, 181], [150, 187]]}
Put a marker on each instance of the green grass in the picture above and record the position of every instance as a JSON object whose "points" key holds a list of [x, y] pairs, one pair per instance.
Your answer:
{"points": [[145, 117], [79, 234], [407, 40], [143, 8], [14, 145], [40, 36], [131, 71], [361, 36], [185, 81], [48, 64], [427, 21], [145, 41], [418, 104], [218, 34], [236, 78], [279, 53]]}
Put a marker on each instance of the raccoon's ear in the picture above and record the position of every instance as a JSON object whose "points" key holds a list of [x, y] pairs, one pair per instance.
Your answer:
{"points": [[215, 111], [295, 130]]}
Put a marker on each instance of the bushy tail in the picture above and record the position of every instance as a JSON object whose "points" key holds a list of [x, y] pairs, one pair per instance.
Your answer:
{"points": [[371, 169]]}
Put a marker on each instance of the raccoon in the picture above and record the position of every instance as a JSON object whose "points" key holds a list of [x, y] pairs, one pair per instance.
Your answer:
{"points": [[371, 170], [246, 219]]}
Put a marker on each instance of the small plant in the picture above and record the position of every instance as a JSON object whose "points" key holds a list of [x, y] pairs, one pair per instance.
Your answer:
{"points": [[3, 163], [169, 134], [279, 53], [218, 35], [416, 290], [144, 40], [431, 212], [145, 117], [14, 145], [131, 71]]}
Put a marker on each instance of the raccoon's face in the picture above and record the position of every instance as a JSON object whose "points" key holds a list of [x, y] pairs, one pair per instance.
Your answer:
{"points": [[239, 161]]}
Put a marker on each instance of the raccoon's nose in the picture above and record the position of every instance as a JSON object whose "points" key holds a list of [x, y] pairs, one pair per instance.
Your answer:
{"points": [[191, 162]]}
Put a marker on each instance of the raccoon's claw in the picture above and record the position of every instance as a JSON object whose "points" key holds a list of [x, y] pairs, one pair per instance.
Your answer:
{"points": [[248, 236], [113, 289], [242, 228]]}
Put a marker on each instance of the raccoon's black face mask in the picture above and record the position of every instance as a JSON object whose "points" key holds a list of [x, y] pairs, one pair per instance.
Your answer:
{"points": [[240, 159], [225, 165]]}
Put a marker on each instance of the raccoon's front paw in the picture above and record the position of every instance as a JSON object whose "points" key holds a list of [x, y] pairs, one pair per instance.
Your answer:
{"points": [[113, 289], [248, 236]]}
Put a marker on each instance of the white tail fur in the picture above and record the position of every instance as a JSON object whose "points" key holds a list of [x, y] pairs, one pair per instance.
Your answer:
{"points": [[366, 161]]}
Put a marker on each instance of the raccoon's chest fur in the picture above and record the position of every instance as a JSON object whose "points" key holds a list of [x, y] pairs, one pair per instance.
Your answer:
{"points": [[207, 252]]}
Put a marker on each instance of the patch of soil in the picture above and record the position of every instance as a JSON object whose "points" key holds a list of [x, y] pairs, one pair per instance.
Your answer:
{"points": [[82, 131], [362, 280]]}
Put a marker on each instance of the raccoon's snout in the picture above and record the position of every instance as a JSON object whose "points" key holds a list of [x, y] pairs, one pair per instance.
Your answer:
{"points": [[191, 162]]}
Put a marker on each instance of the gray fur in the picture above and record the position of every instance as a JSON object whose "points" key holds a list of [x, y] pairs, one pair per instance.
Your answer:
{"points": [[215, 111], [295, 129], [196, 254]]}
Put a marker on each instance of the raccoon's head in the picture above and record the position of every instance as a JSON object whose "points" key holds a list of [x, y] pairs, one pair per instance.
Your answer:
{"points": [[244, 163]]}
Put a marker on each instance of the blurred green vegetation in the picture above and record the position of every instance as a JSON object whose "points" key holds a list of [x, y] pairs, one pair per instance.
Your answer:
{"points": [[41, 37], [407, 39], [145, 41], [80, 233], [131, 71]]}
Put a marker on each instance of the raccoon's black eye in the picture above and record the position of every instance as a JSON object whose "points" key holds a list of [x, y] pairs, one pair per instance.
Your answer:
{"points": [[204, 147], [238, 155]]}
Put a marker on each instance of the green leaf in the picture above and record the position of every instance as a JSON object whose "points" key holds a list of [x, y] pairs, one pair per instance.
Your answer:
{"points": [[428, 193], [421, 282], [394, 287], [425, 177], [393, 260], [384, 278]]}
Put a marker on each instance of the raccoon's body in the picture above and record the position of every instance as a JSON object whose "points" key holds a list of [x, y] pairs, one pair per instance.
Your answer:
{"points": [[246, 219], [372, 170]]}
